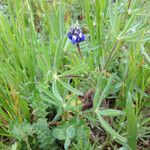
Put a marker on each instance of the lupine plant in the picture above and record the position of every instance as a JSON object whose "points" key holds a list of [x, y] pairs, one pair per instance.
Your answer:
{"points": [[76, 36], [74, 75]]}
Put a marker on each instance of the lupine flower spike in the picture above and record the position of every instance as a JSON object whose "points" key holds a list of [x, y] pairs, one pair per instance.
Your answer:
{"points": [[76, 36]]}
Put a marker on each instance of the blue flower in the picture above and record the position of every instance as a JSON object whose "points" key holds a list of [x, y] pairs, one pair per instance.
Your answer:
{"points": [[75, 35]]}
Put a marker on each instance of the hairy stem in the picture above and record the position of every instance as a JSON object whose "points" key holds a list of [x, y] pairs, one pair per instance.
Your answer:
{"points": [[79, 50], [126, 15]]}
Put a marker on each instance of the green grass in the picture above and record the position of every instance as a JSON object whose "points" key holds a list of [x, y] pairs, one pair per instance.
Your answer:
{"points": [[50, 96]]}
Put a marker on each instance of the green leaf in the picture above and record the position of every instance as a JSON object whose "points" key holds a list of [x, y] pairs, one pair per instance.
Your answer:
{"points": [[110, 112], [145, 53], [48, 96], [131, 123], [106, 90], [58, 54], [133, 36], [111, 15], [59, 134], [87, 7], [97, 93], [67, 143], [70, 88], [61, 19], [70, 132], [74, 70], [127, 26], [110, 130], [14, 146], [56, 93], [49, 100]]}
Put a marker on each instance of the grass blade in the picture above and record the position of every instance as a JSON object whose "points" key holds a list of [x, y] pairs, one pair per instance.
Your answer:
{"points": [[131, 123]]}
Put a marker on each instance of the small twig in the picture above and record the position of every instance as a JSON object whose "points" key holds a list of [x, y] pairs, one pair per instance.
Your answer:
{"points": [[79, 50]]}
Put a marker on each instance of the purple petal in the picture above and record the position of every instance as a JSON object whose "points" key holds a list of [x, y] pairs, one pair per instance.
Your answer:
{"points": [[78, 39], [74, 39], [69, 35], [82, 38]]}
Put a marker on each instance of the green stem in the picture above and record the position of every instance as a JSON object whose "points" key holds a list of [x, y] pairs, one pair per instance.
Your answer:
{"points": [[111, 53], [126, 15]]}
